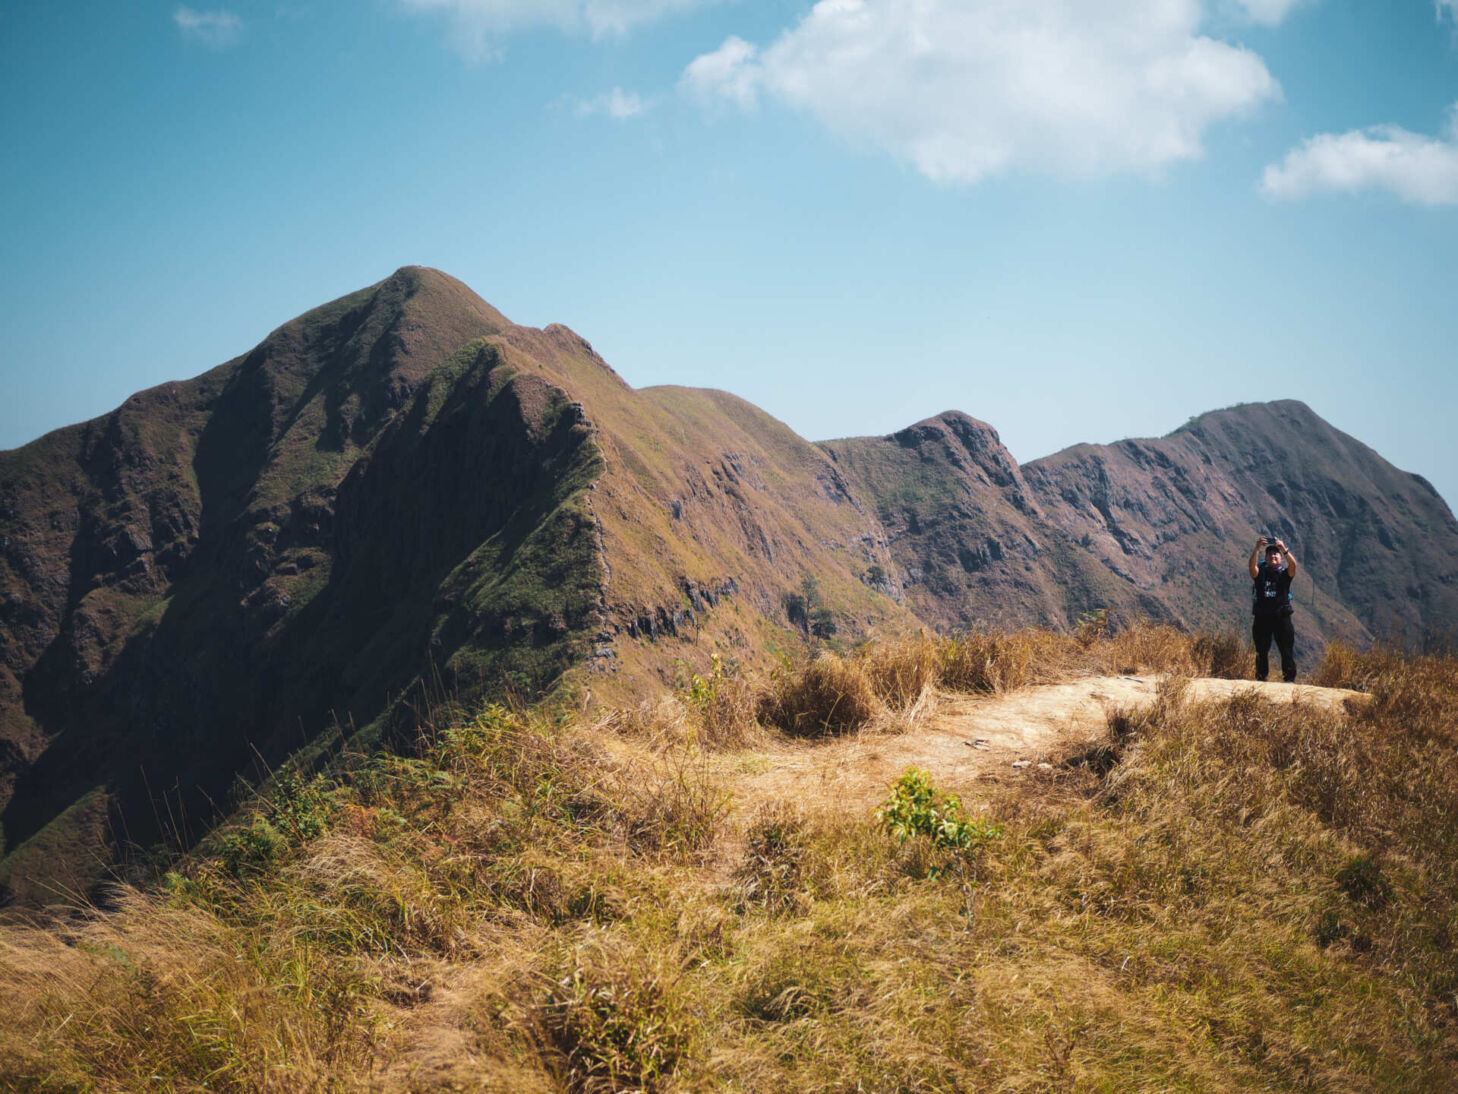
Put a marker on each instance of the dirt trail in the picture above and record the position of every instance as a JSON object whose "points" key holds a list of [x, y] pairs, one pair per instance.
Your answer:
{"points": [[969, 738], [963, 740]]}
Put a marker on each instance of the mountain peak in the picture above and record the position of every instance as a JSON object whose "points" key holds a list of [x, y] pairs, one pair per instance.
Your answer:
{"points": [[334, 375], [1275, 414], [431, 298], [974, 437]]}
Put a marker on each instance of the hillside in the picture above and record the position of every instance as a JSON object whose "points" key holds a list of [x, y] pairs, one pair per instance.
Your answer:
{"points": [[1160, 528], [401, 496], [1025, 862], [397, 496], [1378, 544], [972, 545]]}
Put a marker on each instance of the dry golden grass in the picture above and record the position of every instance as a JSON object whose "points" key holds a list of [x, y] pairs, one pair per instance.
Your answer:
{"points": [[1158, 648], [1232, 896], [887, 684], [726, 704], [902, 672], [993, 663], [774, 873], [885, 687], [167, 995], [827, 696]]}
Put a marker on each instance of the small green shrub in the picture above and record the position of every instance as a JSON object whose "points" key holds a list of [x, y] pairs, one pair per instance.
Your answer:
{"points": [[915, 809], [252, 850], [293, 811], [299, 807]]}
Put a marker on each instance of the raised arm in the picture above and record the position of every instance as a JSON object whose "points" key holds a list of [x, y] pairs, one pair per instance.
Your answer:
{"points": [[1255, 558], [1290, 558]]}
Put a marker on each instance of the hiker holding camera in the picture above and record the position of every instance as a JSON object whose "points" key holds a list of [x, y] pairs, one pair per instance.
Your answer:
{"points": [[1272, 606]]}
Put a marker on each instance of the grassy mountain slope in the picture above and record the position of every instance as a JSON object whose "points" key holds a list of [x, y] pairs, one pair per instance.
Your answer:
{"points": [[711, 514], [395, 496], [401, 495]]}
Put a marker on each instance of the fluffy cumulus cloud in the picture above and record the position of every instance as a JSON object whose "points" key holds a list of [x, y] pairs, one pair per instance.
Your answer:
{"points": [[1418, 169], [964, 89], [212, 28], [617, 104], [479, 25]]}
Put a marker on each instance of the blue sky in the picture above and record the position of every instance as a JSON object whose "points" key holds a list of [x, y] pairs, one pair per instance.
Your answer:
{"points": [[1079, 220]]}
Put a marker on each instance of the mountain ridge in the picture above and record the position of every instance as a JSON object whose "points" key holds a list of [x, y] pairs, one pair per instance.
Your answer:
{"points": [[401, 492]]}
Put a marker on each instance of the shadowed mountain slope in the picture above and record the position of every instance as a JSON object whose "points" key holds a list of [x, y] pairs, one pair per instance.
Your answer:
{"points": [[402, 494], [395, 494], [213, 573]]}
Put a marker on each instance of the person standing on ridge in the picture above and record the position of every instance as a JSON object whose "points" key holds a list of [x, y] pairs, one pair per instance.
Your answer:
{"points": [[1272, 607]]}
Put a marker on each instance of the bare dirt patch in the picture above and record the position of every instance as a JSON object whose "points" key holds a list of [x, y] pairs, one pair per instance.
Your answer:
{"points": [[970, 738]]}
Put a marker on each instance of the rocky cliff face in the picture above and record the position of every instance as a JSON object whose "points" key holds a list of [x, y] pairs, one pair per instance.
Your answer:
{"points": [[970, 543], [403, 493]]}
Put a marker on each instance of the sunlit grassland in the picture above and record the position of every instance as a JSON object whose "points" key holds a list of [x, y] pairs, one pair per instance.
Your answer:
{"points": [[1237, 895]]}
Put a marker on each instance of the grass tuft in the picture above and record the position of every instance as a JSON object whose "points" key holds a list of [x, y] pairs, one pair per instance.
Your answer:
{"points": [[616, 1020], [828, 696]]}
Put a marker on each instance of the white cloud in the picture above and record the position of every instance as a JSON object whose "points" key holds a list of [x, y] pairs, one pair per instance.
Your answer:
{"points": [[212, 28], [479, 25], [1448, 8], [730, 72], [617, 104], [1418, 169], [964, 89]]}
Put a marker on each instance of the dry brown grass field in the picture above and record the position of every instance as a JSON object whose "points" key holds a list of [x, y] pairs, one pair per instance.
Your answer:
{"points": [[1194, 884]]}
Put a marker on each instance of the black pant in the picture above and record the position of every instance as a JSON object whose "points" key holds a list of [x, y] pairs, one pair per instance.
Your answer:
{"points": [[1278, 627]]}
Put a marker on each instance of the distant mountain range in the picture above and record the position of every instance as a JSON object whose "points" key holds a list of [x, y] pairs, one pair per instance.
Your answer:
{"points": [[401, 495]]}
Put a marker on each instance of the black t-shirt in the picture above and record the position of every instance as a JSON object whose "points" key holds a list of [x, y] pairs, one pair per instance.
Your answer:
{"points": [[1272, 591]]}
